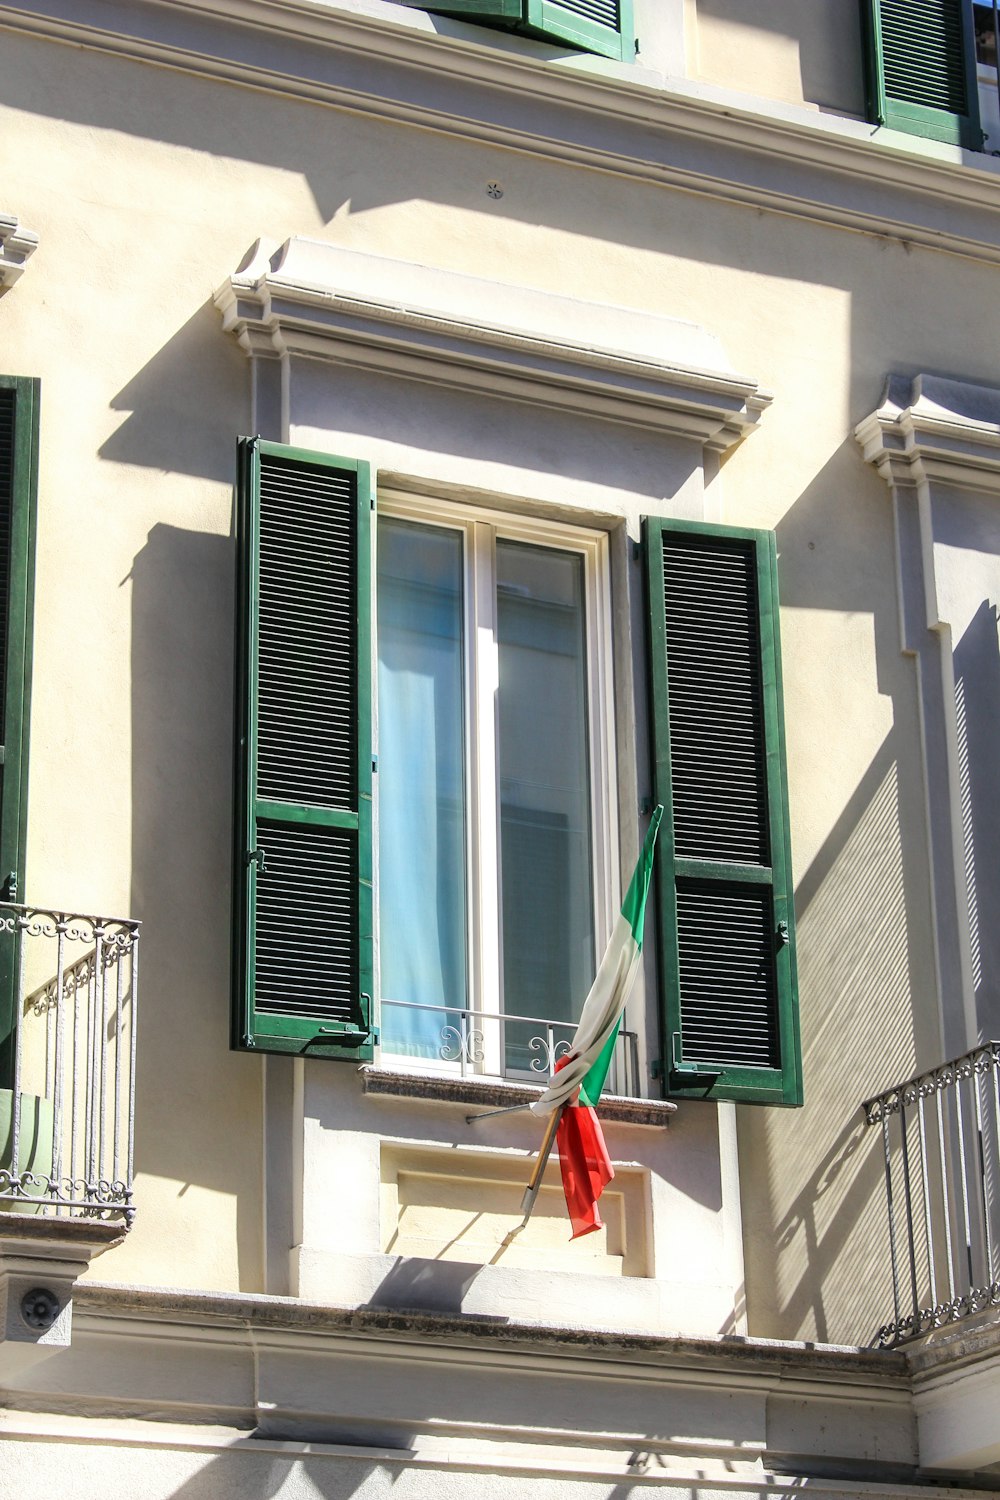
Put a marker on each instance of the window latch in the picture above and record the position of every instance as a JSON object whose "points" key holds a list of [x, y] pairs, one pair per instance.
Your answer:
{"points": [[690, 1070], [330, 1036]]}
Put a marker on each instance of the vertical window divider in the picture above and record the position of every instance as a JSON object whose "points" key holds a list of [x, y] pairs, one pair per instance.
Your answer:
{"points": [[601, 732], [484, 680]]}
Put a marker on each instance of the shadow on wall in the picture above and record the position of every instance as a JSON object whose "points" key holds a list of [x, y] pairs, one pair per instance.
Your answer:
{"points": [[416, 1284], [977, 716], [826, 36], [817, 1245], [178, 403], [182, 691], [267, 1476]]}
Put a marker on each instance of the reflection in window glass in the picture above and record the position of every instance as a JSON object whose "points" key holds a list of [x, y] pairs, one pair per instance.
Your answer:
{"points": [[546, 857]]}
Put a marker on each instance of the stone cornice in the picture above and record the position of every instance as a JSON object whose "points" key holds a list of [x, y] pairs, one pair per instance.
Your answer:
{"points": [[426, 1331], [379, 59], [595, 360], [929, 428], [17, 245]]}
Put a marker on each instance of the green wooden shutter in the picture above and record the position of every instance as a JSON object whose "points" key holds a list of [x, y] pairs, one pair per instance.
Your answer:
{"points": [[19, 399], [724, 897], [921, 68], [303, 838], [602, 26]]}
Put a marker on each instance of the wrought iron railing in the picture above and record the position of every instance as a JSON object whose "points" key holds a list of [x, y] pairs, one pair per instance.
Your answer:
{"points": [[67, 1121], [482, 1044], [941, 1149]]}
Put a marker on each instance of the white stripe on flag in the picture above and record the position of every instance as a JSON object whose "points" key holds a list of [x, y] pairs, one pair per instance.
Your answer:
{"points": [[601, 1012]]}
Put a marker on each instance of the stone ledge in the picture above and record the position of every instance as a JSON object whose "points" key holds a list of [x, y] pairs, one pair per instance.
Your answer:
{"points": [[497, 1093], [37, 1230], [428, 1331]]}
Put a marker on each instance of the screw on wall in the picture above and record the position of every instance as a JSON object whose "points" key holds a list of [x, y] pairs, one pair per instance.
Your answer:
{"points": [[494, 190], [40, 1308]]}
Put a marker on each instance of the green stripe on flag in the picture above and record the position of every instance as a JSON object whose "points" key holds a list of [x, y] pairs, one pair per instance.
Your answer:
{"points": [[634, 905], [634, 912]]}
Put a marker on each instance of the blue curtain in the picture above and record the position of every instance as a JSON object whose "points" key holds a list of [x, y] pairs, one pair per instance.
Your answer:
{"points": [[422, 840]]}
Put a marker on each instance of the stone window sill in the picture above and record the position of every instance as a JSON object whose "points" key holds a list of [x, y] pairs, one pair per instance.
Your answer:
{"points": [[498, 1093]]}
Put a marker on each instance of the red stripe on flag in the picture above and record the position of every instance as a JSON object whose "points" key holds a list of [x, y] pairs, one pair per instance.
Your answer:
{"points": [[586, 1166]]}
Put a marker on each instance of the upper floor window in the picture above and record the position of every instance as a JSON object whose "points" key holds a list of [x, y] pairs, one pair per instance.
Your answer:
{"points": [[495, 838], [602, 26]]}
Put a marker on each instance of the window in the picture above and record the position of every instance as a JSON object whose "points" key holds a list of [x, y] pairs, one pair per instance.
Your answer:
{"points": [[921, 68], [986, 34], [602, 26], [495, 784], [18, 484], [496, 840]]}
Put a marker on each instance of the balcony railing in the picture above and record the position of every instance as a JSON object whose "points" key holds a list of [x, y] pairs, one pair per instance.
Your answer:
{"points": [[481, 1044], [67, 1120], [941, 1148]]}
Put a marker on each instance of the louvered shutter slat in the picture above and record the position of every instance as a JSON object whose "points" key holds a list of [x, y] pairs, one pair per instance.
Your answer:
{"points": [[303, 856], [728, 985]]}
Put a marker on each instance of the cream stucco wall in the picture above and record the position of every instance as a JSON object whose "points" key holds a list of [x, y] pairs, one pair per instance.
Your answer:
{"points": [[147, 186], [798, 51]]}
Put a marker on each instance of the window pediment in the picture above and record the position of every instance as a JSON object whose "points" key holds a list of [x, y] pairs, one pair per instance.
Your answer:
{"points": [[521, 343]]}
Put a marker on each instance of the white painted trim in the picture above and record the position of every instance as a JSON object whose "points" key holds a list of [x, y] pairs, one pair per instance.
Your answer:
{"points": [[17, 246], [612, 117], [927, 428], [214, 1365], [727, 1468], [399, 318], [929, 432]]}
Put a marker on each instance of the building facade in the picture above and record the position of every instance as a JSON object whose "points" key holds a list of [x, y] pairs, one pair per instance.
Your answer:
{"points": [[410, 418]]}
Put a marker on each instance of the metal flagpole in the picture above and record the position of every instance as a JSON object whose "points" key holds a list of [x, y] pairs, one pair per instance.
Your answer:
{"points": [[508, 1109], [544, 1152]]}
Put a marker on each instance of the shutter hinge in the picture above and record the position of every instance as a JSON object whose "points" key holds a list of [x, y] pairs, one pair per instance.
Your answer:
{"points": [[374, 763], [656, 1068], [10, 886], [258, 857], [782, 934]]}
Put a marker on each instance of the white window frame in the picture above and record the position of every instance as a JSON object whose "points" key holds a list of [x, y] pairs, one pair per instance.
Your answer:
{"points": [[480, 527]]}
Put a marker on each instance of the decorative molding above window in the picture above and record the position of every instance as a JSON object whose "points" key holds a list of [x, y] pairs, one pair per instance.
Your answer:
{"points": [[936, 443], [17, 245], [597, 360], [927, 427]]}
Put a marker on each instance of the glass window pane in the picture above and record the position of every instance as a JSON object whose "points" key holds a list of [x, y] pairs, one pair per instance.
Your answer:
{"points": [[546, 855], [421, 785]]}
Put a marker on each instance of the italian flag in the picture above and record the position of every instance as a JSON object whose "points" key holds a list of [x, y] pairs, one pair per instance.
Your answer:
{"points": [[579, 1077]]}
